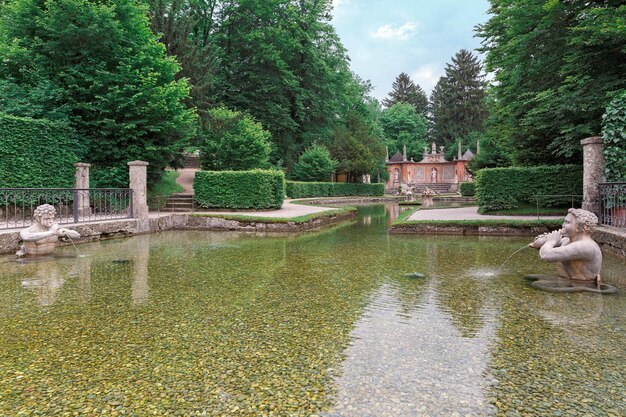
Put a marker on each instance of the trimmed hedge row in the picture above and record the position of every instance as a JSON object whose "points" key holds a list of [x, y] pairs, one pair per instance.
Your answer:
{"points": [[507, 188], [256, 189], [468, 189], [36, 153], [298, 189]]}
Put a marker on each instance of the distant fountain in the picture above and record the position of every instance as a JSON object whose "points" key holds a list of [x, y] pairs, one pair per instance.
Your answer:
{"points": [[578, 257], [41, 237]]}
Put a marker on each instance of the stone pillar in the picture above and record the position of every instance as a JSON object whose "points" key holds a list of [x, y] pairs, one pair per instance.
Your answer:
{"points": [[81, 198], [593, 173], [138, 177]]}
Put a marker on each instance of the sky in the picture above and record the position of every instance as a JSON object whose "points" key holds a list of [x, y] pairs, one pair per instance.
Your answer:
{"points": [[418, 37]]}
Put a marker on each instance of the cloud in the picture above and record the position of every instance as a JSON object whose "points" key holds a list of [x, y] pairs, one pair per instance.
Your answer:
{"points": [[427, 76], [402, 33]]}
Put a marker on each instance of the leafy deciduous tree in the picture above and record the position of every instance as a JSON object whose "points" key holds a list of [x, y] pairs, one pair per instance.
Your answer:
{"points": [[403, 126], [234, 142], [315, 164]]}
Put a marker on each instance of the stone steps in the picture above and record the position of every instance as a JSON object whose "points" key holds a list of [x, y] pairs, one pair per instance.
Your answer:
{"points": [[192, 162], [179, 202]]}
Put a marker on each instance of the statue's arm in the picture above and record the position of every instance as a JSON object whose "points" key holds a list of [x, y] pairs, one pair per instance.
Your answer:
{"points": [[29, 236], [563, 253]]}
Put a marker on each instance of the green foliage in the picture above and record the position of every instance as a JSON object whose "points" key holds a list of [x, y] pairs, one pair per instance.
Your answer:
{"points": [[467, 189], [614, 137], [234, 142], [358, 147], [405, 91], [403, 126], [297, 189], [158, 192], [256, 189], [507, 188], [556, 66], [457, 103], [36, 153], [315, 164], [97, 65]]}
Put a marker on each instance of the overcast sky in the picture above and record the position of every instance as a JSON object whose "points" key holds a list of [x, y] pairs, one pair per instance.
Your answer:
{"points": [[387, 37]]}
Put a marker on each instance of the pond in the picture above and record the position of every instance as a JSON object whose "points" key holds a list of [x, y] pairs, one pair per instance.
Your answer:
{"points": [[316, 324]]}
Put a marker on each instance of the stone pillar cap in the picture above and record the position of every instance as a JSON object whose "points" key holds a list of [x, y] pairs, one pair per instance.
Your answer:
{"points": [[82, 165], [591, 140], [138, 163]]}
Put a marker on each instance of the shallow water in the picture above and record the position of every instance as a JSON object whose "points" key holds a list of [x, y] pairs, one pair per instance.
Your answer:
{"points": [[324, 323]]}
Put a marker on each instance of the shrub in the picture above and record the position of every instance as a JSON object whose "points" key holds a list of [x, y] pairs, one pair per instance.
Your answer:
{"points": [[36, 153], [315, 164], [296, 189], [256, 189], [468, 189], [507, 188], [614, 138], [234, 142]]}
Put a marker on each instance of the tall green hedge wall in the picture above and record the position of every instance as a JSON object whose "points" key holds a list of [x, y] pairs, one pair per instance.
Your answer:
{"points": [[36, 153], [507, 188], [468, 189], [297, 189], [256, 189]]}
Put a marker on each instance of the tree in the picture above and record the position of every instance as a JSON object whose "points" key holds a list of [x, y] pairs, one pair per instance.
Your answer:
{"points": [[235, 142], [458, 100], [614, 138], [97, 65], [315, 164], [403, 126], [358, 147], [556, 64], [405, 91]]}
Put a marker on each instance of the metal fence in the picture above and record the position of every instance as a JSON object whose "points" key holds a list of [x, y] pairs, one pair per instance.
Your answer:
{"points": [[555, 202], [72, 205], [613, 204]]}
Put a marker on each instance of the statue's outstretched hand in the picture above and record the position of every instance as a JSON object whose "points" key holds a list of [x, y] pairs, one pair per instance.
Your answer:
{"points": [[539, 241], [554, 238]]}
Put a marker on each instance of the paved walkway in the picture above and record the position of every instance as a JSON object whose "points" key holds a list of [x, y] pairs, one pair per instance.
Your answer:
{"points": [[288, 210], [185, 178], [467, 213]]}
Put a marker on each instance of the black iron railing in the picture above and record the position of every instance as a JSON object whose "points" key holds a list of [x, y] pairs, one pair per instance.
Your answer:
{"points": [[613, 204], [72, 205]]}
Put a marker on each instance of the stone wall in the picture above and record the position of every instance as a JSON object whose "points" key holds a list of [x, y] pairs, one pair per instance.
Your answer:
{"points": [[611, 239], [429, 229]]}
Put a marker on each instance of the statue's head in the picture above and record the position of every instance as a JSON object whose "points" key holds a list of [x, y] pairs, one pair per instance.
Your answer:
{"points": [[44, 215], [583, 220]]}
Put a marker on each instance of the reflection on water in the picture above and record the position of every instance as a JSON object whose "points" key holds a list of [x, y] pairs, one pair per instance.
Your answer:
{"points": [[326, 323], [417, 362]]}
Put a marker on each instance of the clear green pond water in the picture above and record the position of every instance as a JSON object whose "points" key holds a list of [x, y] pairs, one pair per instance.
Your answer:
{"points": [[322, 323]]}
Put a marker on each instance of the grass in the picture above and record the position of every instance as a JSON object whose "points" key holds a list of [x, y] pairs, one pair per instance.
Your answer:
{"points": [[158, 193], [263, 219], [530, 211]]}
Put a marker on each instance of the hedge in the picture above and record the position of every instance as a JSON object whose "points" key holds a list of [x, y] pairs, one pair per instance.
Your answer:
{"points": [[36, 153], [298, 189], [467, 189], [256, 189], [507, 188]]}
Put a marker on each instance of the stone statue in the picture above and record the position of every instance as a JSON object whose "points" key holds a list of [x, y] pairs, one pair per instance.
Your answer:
{"points": [[434, 148], [578, 257], [41, 237]]}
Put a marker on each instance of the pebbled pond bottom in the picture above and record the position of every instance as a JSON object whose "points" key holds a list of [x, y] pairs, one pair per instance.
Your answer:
{"points": [[327, 324]]}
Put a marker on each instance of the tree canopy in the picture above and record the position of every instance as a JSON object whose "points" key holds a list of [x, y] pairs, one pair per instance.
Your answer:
{"points": [[403, 126], [315, 164], [404, 90], [98, 66], [457, 103], [557, 65]]}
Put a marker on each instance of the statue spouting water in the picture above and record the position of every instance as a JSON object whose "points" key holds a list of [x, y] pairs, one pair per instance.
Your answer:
{"points": [[42, 236], [577, 255]]}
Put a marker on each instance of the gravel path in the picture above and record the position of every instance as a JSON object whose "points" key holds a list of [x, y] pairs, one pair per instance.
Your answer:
{"points": [[466, 213]]}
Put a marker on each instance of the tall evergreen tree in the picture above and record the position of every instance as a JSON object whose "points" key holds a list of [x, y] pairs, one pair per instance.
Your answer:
{"points": [[458, 100], [557, 65], [404, 90]]}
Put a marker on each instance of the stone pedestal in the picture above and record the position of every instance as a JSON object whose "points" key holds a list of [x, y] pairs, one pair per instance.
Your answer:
{"points": [[138, 177], [81, 195], [593, 173]]}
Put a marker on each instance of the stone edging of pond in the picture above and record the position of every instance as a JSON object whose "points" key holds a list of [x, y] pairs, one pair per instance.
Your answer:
{"points": [[10, 240], [466, 230]]}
